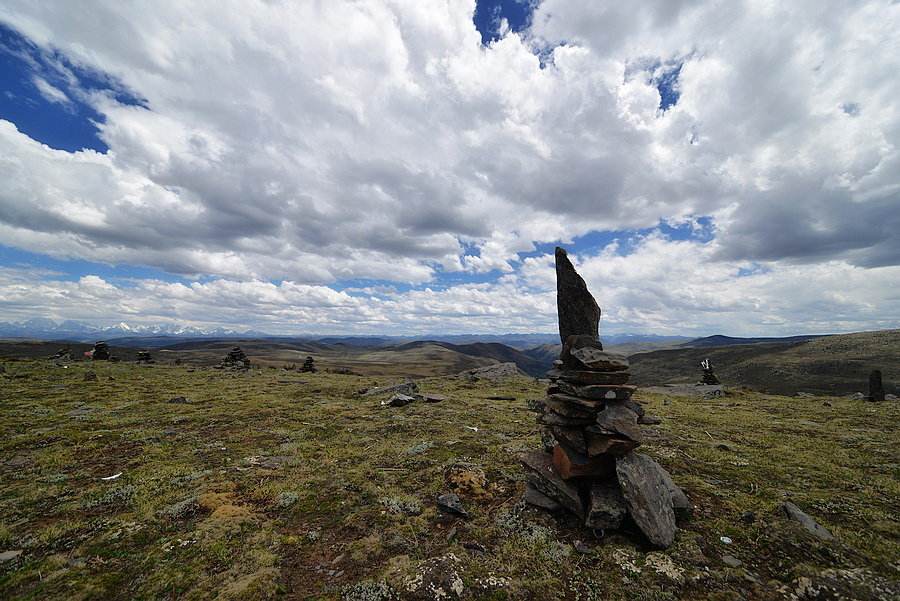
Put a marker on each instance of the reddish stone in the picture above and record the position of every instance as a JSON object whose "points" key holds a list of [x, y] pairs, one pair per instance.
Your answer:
{"points": [[571, 464]]}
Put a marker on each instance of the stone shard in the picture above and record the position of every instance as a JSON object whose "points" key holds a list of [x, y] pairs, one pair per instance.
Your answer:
{"points": [[535, 497], [573, 437], [598, 444], [551, 418], [618, 420], [571, 408], [578, 311], [583, 377], [569, 464], [596, 392], [580, 354], [546, 480], [606, 508], [647, 497], [450, 503]]}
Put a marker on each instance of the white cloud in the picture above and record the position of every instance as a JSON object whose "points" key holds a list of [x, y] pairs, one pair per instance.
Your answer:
{"points": [[50, 92], [313, 142]]}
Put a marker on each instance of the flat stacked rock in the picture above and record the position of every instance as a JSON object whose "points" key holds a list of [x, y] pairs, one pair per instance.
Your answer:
{"points": [[308, 366], [590, 430], [235, 359], [144, 357]]}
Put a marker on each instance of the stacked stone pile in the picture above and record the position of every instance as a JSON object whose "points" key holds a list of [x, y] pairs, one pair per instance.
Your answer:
{"points": [[235, 359], [591, 428], [144, 357], [309, 366], [709, 376]]}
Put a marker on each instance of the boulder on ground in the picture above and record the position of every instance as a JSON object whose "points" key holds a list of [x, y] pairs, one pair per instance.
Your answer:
{"points": [[810, 525], [497, 371]]}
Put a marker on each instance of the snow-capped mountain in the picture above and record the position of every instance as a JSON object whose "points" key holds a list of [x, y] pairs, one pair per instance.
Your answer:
{"points": [[41, 328]]}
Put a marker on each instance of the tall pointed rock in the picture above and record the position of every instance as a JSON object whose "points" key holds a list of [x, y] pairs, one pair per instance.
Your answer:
{"points": [[578, 311]]}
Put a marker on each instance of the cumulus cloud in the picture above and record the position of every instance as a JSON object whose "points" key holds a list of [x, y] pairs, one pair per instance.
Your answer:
{"points": [[310, 143], [663, 286]]}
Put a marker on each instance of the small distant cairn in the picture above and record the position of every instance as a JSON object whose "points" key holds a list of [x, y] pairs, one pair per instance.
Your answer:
{"points": [[876, 386], [590, 430], [709, 376], [143, 357], [309, 365], [100, 352], [235, 360]]}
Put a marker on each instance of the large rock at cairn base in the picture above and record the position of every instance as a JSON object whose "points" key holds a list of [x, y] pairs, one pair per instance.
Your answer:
{"points": [[648, 498], [578, 311]]}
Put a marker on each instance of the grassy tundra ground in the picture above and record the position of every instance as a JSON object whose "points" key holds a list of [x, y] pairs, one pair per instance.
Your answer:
{"points": [[284, 485]]}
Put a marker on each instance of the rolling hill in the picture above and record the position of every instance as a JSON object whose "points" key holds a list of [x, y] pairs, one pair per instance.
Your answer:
{"points": [[835, 365]]}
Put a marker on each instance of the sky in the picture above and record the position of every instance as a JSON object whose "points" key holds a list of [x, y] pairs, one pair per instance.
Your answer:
{"points": [[408, 166]]}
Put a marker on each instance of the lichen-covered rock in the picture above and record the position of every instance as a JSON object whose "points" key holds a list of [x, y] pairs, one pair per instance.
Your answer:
{"points": [[648, 498], [435, 579]]}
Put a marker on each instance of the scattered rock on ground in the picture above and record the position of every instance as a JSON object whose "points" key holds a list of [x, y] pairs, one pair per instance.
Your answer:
{"points": [[407, 388], [809, 524], [90, 376], [450, 503], [180, 400], [399, 400], [10, 555], [435, 579]]}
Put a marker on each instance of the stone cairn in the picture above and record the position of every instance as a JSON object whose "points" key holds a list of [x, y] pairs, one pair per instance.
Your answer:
{"points": [[709, 376], [590, 430], [144, 357], [876, 386], [100, 351], [308, 366], [235, 359]]}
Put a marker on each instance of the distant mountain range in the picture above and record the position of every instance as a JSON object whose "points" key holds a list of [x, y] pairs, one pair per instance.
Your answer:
{"points": [[76, 331], [126, 334]]}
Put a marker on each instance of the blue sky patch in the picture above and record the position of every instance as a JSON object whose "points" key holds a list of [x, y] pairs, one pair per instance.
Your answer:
{"points": [[45, 95], [71, 270], [489, 13]]}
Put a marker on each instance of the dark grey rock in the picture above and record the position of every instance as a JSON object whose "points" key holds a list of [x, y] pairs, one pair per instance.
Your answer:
{"points": [[607, 506], [876, 387], [616, 418], [578, 311], [546, 480], [180, 400], [535, 497], [399, 400], [433, 398], [450, 503], [647, 497], [810, 525], [731, 561]]}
